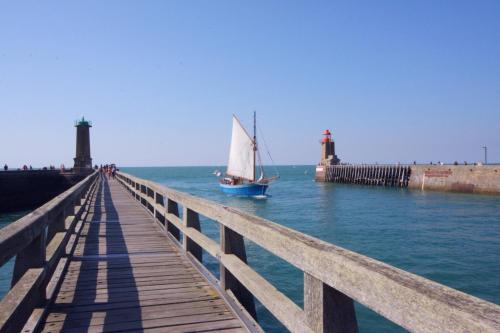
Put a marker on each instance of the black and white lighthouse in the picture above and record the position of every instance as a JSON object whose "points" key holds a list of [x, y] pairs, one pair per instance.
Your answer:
{"points": [[83, 161]]}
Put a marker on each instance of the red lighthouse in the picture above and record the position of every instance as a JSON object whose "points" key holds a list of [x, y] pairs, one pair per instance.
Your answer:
{"points": [[328, 156]]}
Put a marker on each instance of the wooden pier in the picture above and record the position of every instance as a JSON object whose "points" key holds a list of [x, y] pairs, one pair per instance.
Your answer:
{"points": [[127, 275], [127, 255]]}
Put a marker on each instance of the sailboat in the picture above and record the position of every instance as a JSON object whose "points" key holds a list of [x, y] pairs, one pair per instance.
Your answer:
{"points": [[241, 174]]}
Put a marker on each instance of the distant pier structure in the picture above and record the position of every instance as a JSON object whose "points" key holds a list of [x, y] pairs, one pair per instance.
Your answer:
{"points": [[475, 178], [27, 189], [365, 174], [329, 169], [83, 161]]}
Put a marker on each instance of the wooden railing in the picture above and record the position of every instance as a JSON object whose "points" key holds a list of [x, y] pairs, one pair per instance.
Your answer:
{"points": [[40, 241], [333, 276]]}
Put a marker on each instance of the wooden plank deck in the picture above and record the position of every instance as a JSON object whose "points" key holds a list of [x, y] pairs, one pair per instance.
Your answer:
{"points": [[127, 275]]}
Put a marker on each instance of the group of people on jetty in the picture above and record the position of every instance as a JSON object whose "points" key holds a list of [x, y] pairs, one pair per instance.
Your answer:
{"points": [[26, 168], [105, 170], [108, 170]]}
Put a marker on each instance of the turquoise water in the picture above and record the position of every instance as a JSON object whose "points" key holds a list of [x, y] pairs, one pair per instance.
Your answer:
{"points": [[450, 238]]}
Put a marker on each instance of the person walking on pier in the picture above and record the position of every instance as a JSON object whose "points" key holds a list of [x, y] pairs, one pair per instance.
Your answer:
{"points": [[5, 167]]}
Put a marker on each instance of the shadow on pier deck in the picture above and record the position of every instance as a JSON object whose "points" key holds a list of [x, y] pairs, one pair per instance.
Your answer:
{"points": [[127, 275]]}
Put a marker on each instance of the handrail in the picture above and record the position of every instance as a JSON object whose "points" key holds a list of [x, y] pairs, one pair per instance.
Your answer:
{"points": [[333, 276], [38, 241]]}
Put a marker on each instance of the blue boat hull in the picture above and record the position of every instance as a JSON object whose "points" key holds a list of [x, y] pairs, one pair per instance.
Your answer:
{"points": [[244, 189]]}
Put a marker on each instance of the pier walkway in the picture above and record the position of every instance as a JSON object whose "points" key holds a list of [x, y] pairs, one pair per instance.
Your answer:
{"points": [[126, 274]]}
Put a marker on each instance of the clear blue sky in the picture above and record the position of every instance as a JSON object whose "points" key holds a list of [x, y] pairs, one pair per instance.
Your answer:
{"points": [[393, 80]]}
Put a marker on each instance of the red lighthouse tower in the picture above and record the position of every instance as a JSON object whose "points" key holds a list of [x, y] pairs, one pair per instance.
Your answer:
{"points": [[328, 156]]}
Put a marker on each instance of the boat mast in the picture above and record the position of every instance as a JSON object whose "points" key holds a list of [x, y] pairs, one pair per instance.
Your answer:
{"points": [[254, 142]]}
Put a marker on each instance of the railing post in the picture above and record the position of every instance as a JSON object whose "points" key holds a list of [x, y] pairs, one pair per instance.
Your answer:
{"points": [[159, 214], [327, 309], [137, 191], [150, 194], [191, 219], [142, 190], [233, 243], [173, 208], [32, 256], [57, 223]]}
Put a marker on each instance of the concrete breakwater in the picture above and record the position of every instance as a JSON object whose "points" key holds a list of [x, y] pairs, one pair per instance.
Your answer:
{"points": [[21, 190], [457, 178]]}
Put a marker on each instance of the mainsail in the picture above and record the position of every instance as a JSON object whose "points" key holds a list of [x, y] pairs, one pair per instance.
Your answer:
{"points": [[241, 154]]}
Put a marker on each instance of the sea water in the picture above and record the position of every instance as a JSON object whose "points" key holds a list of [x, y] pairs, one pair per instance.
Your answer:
{"points": [[450, 238]]}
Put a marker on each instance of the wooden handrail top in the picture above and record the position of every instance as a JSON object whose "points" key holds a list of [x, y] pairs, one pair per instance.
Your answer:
{"points": [[411, 301], [17, 235]]}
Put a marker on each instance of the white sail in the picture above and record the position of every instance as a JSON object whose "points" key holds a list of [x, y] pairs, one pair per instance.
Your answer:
{"points": [[241, 154]]}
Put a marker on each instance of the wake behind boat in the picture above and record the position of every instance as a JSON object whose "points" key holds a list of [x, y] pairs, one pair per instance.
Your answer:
{"points": [[240, 178]]}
